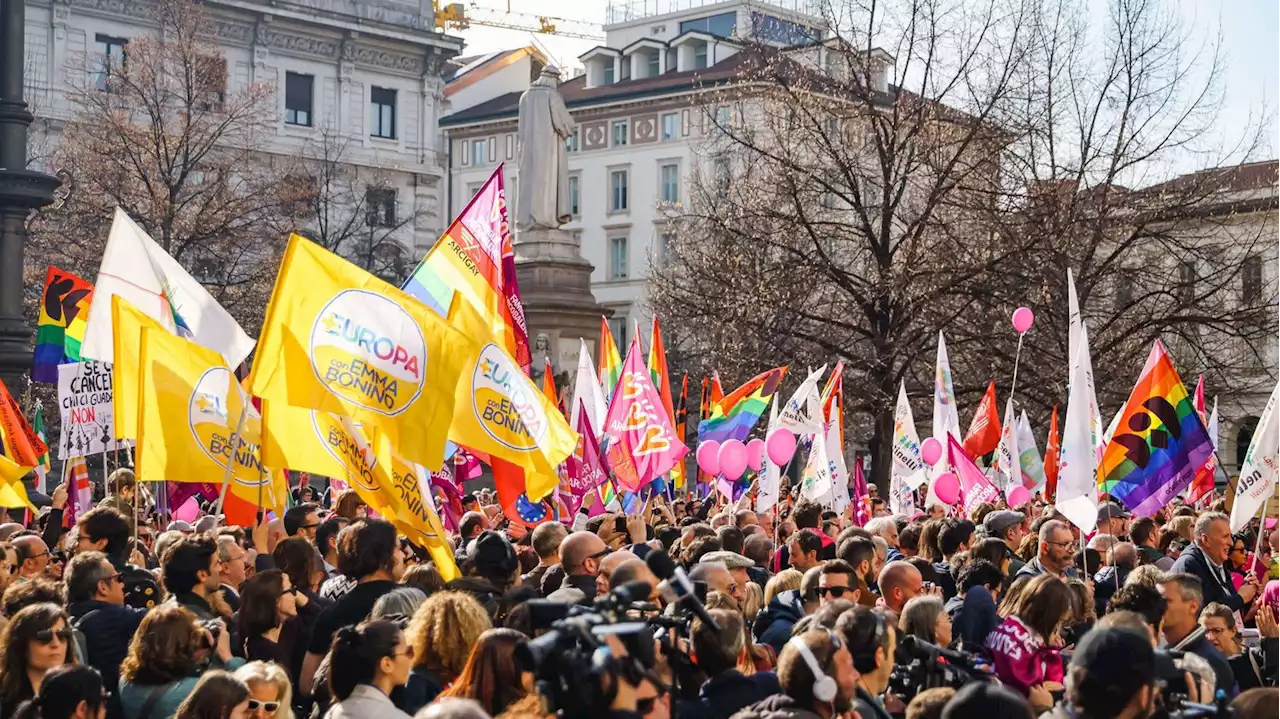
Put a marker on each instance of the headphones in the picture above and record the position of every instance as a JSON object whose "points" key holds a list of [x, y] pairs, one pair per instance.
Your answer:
{"points": [[824, 687], [864, 660]]}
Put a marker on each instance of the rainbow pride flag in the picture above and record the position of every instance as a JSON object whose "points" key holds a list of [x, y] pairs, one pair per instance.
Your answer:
{"points": [[734, 416], [1159, 442], [609, 362], [64, 315]]}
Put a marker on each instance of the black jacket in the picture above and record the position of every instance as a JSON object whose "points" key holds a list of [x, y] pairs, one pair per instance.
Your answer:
{"points": [[1216, 587], [422, 688], [723, 695], [946, 582], [482, 589], [575, 589], [1105, 583], [108, 629], [1196, 643], [867, 706], [778, 706], [1257, 666], [773, 624]]}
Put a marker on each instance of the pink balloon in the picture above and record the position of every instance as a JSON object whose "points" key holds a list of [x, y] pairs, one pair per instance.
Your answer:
{"points": [[1018, 496], [947, 487], [733, 459], [755, 454], [930, 451], [188, 512], [1023, 318], [708, 456], [780, 446]]}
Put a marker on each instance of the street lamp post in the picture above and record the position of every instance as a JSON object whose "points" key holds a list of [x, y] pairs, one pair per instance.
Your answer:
{"points": [[21, 191]]}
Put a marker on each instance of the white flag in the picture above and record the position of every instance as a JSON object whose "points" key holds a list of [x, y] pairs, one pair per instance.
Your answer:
{"points": [[908, 471], [770, 481], [587, 395], [835, 458], [1212, 427], [1075, 330], [137, 269], [1032, 465], [803, 412], [1077, 497], [1261, 466], [815, 482], [946, 421], [1008, 467]]}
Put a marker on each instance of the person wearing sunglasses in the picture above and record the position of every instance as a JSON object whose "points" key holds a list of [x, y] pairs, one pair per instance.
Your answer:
{"points": [[33, 557], [270, 693], [268, 606], [96, 604], [837, 580], [580, 556], [71, 691], [36, 640], [366, 663]]}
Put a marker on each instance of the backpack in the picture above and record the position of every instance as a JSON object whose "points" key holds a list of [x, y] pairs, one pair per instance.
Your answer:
{"points": [[141, 590]]}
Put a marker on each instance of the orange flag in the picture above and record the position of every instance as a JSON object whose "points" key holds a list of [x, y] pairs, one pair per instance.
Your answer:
{"points": [[984, 430], [1052, 448]]}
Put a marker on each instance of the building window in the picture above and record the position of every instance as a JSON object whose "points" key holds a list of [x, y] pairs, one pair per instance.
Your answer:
{"points": [[669, 183], [297, 98], [473, 189], [1251, 280], [669, 126], [720, 174], [700, 56], [573, 196], [828, 201], [210, 82], [618, 191], [619, 133], [479, 152], [380, 207], [383, 103], [618, 258], [608, 72], [662, 251], [571, 142], [722, 116], [1186, 282], [618, 326], [111, 56], [722, 25], [654, 70]]}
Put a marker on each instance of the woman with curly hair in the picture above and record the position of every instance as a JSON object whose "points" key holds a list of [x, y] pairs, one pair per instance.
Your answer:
{"points": [[36, 640], [218, 695], [166, 657], [442, 632], [491, 676]]}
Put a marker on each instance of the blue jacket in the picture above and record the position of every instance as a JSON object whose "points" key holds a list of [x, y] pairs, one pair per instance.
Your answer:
{"points": [[107, 629], [134, 696], [1216, 586], [773, 624], [723, 695]]}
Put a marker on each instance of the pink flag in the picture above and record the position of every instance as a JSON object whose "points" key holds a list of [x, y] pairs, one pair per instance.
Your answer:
{"points": [[637, 429], [583, 470], [975, 488], [451, 507], [861, 497], [465, 466]]}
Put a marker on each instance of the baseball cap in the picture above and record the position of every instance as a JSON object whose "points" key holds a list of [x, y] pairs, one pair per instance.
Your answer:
{"points": [[1108, 510], [493, 555], [999, 521], [1109, 666]]}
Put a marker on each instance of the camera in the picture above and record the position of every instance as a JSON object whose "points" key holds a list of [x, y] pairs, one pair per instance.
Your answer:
{"points": [[920, 665], [214, 628], [1171, 683]]}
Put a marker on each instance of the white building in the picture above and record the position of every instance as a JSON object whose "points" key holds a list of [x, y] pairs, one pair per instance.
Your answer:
{"points": [[371, 72], [642, 120]]}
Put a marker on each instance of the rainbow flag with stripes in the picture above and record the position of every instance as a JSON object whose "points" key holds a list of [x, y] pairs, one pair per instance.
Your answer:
{"points": [[64, 315], [1159, 442], [609, 362], [734, 416]]}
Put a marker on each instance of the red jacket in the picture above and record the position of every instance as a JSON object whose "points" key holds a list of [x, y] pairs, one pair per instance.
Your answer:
{"points": [[1020, 656]]}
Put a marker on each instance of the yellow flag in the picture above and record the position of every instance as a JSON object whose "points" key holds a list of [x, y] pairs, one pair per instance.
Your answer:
{"points": [[189, 413], [335, 446], [127, 322], [337, 339]]}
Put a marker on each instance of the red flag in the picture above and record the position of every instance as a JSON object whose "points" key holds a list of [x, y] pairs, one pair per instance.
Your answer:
{"points": [[833, 393], [1052, 448], [861, 497], [1203, 483], [984, 431]]}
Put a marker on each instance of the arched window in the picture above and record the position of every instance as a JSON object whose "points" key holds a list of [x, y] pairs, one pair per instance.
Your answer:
{"points": [[1243, 437]]}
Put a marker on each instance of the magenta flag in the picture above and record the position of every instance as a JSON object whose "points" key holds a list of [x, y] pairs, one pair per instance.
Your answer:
{"points": [[975, 488], [583, 470], [861, 497], [451, 508], [639, 442]]}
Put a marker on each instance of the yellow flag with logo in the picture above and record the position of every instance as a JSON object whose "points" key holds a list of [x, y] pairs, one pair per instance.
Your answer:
{"points": [[335, 446], [188, 417], [337, 339], [127, 322], [499, 411]]}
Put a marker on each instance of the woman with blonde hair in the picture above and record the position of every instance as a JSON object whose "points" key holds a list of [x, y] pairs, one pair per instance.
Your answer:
{"points": [[270, 693], [442, 632], [785, 580]]}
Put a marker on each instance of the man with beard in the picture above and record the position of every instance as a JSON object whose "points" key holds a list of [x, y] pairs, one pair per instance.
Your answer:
{"points": [[817, 676], [1112, 674]]}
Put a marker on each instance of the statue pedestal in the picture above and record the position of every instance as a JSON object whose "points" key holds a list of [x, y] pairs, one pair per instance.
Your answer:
{"points": [[555, 286]]}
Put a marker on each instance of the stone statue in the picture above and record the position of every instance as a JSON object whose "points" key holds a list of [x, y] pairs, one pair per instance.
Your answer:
{"points": [[538, 358], [542, 201]]}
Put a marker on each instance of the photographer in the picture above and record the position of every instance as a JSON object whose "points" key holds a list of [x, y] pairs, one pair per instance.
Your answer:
{"points": [[716, 653], [1112, 674], [871, 640], [817, 676]]}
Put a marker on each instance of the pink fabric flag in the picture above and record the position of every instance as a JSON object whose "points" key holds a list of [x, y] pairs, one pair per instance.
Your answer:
{"points": [[451, 507], [466, 466], [975, 488], [861, 497], [639, 442], [583, 470]]}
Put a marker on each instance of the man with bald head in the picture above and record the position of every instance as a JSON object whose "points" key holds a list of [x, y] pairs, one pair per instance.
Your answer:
{"points": [[581, 554], [33, 557], [899, 583], [744, 518], [718, 579], [635, 570], [607, 566]]}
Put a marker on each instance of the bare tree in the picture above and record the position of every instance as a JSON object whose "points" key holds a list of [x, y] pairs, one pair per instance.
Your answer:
{"points": [[851, 203]]}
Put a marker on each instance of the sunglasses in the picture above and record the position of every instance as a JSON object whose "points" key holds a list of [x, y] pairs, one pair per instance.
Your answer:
{"points": [[602, 553], [835, 592], [45, 636], [111, 577], [271, 707], [408, 652]]}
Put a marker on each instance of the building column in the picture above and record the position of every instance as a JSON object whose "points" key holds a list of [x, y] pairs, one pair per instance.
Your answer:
{"points": [[21, 191]]}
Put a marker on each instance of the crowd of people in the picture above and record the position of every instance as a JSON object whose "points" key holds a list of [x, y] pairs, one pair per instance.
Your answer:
{"points": [[327, 612]]}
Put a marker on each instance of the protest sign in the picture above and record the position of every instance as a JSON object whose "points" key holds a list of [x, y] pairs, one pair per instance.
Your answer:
{"points": [[84, 402]]}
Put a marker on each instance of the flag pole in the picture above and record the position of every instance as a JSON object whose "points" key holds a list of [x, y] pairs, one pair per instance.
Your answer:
{"points": [[1262, 528], [1016, 358], [231, 460]]}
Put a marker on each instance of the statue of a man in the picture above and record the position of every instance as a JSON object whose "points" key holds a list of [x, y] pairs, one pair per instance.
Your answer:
{"points": [[544, 124]]}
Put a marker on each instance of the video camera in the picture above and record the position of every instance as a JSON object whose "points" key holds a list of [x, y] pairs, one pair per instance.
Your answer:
{"points": [[922, 665], [1171, 683]]}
